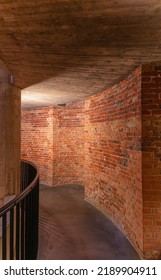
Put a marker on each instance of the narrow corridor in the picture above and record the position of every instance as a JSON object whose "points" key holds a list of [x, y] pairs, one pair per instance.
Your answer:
{"points": [[71, 228]]}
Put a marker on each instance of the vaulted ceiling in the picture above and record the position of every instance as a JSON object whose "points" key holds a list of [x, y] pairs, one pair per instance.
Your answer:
{"points": [[62, 50]]}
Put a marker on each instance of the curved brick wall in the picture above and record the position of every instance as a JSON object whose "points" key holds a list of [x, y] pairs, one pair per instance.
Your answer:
{"points": [[113, 164], [53, 138], [109, 142]]}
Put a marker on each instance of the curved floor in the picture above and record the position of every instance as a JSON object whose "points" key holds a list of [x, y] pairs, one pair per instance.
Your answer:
{"points": [[71, 228]]}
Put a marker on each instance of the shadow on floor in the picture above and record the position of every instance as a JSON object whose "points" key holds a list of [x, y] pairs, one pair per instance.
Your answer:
{"points": [[72, 229]]}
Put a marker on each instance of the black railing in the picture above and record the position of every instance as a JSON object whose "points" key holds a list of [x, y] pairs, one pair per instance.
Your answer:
{"points": [[19, 218]]}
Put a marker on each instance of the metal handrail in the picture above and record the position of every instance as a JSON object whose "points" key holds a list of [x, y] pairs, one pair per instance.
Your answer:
{"points": [[22, 214], [18, 198]]}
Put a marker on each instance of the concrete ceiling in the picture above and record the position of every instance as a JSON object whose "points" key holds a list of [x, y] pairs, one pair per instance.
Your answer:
{"points": [[62, 50]]}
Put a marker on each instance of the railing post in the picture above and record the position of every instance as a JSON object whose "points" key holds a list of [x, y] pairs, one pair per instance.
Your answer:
{"points": [[22, 231], [12, 233], [4, 239], [17, 232]]}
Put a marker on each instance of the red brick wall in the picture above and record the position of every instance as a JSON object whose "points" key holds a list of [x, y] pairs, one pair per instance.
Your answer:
{"points": [[151, 132], [53, 138], [113, 179], [37, 140], [70, 160]]}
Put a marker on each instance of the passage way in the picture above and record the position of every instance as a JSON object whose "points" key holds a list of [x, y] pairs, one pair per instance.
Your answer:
{"points": [[72, 229]]}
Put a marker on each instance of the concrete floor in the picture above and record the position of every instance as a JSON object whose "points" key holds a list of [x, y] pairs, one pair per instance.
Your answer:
{"points": [[71, 228]]}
